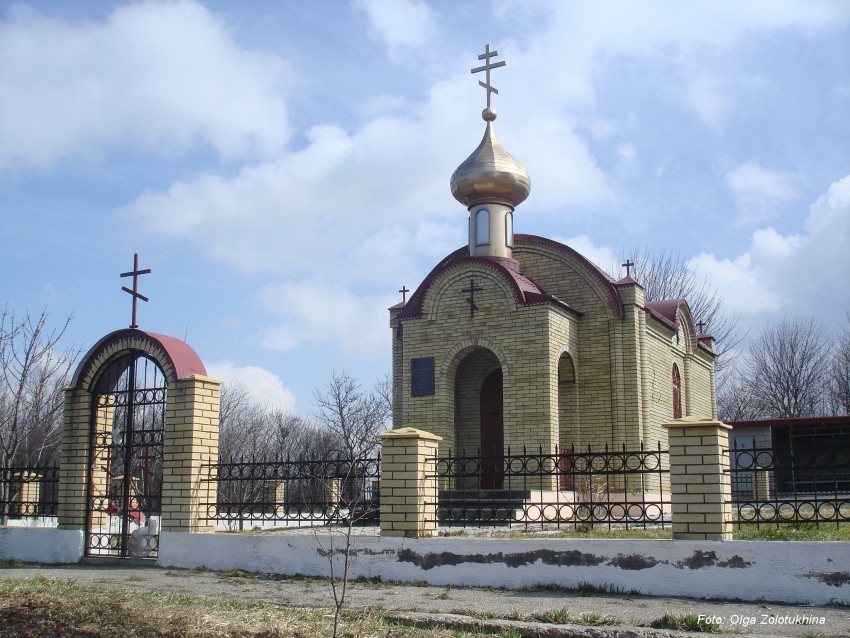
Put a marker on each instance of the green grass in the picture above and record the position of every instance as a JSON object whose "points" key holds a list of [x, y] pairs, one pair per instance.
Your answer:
{"points": [[596, 620], [794, 532], [767, 532], [686, 622], [557, 616]]}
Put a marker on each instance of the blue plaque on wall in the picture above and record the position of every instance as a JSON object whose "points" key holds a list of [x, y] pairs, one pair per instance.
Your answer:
{"points": [[422, 377]]}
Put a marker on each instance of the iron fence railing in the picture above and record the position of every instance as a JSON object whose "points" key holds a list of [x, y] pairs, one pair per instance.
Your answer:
{"points": [[295, 493], [778, 485], [565, 488], [29, 492]]}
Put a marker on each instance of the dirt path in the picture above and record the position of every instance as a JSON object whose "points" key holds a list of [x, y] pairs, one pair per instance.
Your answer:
{"points": [[751, 619]]}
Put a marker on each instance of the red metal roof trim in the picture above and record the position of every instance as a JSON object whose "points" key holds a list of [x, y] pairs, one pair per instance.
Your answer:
{"points": [[666, 311], [185, 360], [179, 354], [791, 422]]}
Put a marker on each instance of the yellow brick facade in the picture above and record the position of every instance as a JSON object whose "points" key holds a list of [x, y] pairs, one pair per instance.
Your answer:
{"points": [[587, 363]]}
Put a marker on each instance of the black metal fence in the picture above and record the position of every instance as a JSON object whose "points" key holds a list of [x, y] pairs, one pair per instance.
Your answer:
{"points": [[295, 493], [29, 492], [578, 489], [566, 488], [803, 484]]}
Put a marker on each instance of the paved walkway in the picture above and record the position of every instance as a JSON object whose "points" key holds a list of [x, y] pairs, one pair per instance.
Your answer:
{"points": [[463, 606]]}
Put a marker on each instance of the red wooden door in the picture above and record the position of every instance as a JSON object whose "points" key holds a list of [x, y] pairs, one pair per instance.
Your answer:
{"points": [[492, 432]]}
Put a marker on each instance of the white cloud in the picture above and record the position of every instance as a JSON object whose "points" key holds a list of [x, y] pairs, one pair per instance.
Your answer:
{"points": [[602, 256], [712, 103], [164, 76], [399, 23], [346, 187], [806, 273], [319, 312], [741, 283], [757, 190], [371, 205], [627, 153], [684, 39], [265, 387]]}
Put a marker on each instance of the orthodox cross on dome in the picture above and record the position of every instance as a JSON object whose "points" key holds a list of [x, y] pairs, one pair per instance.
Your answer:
{"points": [[471, 298], [404, 292], [701, 326], [135, 291], [628, 266], [488, 66]]}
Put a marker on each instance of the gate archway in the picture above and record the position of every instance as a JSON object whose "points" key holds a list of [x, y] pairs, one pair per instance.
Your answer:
{"points": [[126, 452], [140, 430]]}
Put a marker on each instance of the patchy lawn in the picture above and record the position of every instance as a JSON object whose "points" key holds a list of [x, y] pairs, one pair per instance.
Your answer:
{"points": [[43, 608]]}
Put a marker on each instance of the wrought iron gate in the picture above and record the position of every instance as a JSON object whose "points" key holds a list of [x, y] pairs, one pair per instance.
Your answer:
{"points": [[125, 456]]}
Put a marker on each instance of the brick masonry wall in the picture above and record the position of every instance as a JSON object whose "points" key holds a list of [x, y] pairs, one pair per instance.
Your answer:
{"points": [[74, 462], [699, 485], [191, 443], [622, 392], [408, 487]]}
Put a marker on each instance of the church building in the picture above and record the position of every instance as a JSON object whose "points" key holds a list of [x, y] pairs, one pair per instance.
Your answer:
{"points": [[517, 340]]}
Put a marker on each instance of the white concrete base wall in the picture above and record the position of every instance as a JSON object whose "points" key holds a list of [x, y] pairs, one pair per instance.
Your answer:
{"points": [[814, 572], [41, 544]]}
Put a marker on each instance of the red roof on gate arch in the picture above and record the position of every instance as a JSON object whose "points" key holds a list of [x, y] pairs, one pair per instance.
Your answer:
{"points": [[176, 358]]}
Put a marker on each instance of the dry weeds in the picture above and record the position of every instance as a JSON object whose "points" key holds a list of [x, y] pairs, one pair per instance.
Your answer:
{"points": [[44, 608]]}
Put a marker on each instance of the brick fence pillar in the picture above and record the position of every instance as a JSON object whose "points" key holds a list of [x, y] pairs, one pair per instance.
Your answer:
{"points": [[408, 483], [74, 467], [191, 443], [700, 487]]}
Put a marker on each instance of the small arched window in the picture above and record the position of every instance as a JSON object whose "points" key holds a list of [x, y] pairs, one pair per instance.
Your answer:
{"points": [[482, 227], [509, 230], [677, 393], [566, 369]]}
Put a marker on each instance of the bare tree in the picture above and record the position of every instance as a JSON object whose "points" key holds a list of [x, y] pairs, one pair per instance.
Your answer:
{"points": [[839, 374], [248, 429], [665, 275], [787, 366], [736, 397], [384, 391], [33, 373], [251, 432], [354, 417]]}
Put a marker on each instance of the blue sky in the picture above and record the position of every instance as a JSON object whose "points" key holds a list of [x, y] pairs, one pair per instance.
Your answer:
{"points": [[283, 167]]}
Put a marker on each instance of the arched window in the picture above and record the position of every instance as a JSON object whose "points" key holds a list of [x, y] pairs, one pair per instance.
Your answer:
{"points": [[482, 227], [566, 369], [509, 230], [677, 393]]}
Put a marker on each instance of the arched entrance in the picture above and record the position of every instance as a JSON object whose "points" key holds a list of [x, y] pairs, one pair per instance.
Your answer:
{"points": [[479, 420], [126, 454], [140, 429], [492, 432], [569, 425]]}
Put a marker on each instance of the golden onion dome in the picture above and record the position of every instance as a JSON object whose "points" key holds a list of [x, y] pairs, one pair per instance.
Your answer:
{"points": [[490, 174]]}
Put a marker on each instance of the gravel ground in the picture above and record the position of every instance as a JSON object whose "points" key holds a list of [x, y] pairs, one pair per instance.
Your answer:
{"points": [[430, 604]]}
